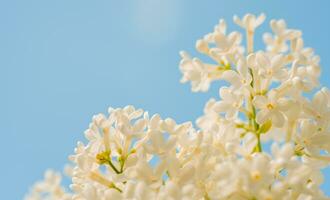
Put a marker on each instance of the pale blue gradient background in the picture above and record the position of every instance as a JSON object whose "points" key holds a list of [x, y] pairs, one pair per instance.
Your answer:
{"points": [[63, 61]]}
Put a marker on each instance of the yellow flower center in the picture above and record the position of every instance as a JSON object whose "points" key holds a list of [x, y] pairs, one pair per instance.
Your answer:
{"points": [[103, 157], [269, 72], [256, 175], [270, 106]]}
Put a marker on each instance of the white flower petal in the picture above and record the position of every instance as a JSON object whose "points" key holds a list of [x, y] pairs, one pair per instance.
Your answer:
{"points": [[262, 116], [260, 101], [277, 118]]}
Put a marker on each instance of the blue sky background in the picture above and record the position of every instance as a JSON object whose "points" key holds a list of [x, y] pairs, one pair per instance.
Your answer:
{"points": [[63, 61]]}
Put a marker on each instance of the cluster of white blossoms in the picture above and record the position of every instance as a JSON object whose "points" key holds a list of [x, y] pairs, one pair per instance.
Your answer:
{"points": [[133, 156]]}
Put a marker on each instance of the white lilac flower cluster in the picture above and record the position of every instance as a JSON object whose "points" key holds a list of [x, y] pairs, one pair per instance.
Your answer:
{"points": [[131, 155]]}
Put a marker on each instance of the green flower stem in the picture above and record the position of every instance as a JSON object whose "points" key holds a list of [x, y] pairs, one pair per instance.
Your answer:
{"points": [[256, 128], [115, 187], [252, 118], [122, 160], [258, 148], [113, 167]]}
